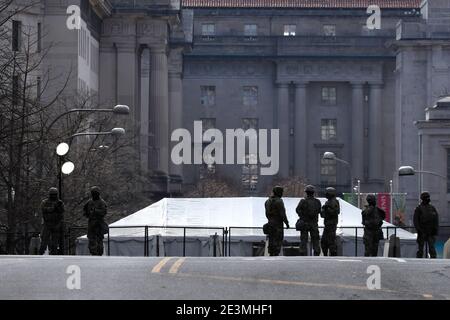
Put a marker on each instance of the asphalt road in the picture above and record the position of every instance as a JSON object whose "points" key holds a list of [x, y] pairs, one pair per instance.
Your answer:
{"points": [[51, 277]]}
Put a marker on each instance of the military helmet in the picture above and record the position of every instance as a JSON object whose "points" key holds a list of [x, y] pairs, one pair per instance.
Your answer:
{"points": [[53, 191], [331, 190], [278, 191], [309, 188], [370, 197], [95, 189], [424, 195]]}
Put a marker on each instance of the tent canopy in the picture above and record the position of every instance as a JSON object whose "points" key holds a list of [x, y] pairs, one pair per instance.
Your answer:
{"points": [[241, 212]]}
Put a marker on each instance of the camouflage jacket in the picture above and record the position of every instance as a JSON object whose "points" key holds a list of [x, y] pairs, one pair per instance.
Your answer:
{"points": [[372, 217], [330, 211], [52, 211], [275, 211], [426, 219], [95, 209], [308, 209]]}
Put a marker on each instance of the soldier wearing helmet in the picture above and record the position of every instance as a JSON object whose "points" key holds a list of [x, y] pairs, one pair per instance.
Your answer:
{"points": [[372, 220], [95, 210], [308, 211], [276, 216], [426, 222], [52, 210], [329, 212]]}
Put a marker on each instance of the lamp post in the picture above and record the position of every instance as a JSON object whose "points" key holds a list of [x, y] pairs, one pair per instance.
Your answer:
{"points": [[63, 148], [410, 171], [119, 109], [332, 156]]}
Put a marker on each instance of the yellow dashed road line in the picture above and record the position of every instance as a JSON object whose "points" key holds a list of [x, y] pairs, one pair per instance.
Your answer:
{"points": [[160, 265], [176, 266]]}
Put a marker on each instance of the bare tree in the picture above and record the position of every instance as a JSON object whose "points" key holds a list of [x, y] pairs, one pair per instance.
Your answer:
{"points": [[30, 101], [211, 185], [293, 186]]}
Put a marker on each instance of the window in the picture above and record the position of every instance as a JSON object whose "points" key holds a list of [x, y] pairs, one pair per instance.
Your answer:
{"points": [[208, 123], [208, 96], [250, 31], [329, 30], [289, 29], [250, 172], [249, 123], [329, 96], [39, 37], [208, 30], [250, 96], [328, 129], [327, 172], [250, 167], [16, 35]]}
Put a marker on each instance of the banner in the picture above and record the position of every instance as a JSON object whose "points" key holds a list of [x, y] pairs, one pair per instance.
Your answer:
{"points": [[384, 202]]}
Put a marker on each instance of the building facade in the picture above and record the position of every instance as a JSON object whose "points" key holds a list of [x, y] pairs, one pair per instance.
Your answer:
{"points": [[327, 81], [315, 70]]}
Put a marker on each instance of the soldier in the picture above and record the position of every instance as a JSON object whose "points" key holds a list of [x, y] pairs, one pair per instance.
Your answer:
{"points": [[95, 210], [372, 220], [276, 214], [52, 210], [426, 222], [308, 211], [330, 211]]}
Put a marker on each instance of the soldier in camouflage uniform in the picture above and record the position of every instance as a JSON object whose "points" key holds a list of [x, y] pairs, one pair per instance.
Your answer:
{"points": [[308, 211], [52, 210], [276, 214], [95, 210], [330, 211], [426, 221], [372, 220]]}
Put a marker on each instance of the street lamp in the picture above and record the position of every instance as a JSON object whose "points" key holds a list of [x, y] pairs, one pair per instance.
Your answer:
{"points": [[115, 132], [63, 148], [119, 109], [331, 156], [410, 171]]}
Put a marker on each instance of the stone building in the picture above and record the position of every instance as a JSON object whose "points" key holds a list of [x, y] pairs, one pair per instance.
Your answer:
{"points": [[314, 69]]}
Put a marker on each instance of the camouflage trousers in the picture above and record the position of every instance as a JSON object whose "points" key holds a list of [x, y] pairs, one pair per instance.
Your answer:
{"points": [[328, 241], [50, 237], [313, 230], [430, 240], [275, 241], [95, 237], [371, 240]]}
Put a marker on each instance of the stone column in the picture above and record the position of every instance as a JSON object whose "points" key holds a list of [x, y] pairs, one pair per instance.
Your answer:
{"points": [[176, 112], [375, 133], [144, 113], [283, 125], [107, 73], [126, 75], [300, 131], [159, 103], [357, 135]]}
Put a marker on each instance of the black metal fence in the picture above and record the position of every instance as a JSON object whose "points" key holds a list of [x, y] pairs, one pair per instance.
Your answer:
{"points": [[75, 232], [26, 243], [358, 232]]}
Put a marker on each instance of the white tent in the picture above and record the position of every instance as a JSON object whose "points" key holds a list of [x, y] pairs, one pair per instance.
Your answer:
{"points": [[240, 215]]}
